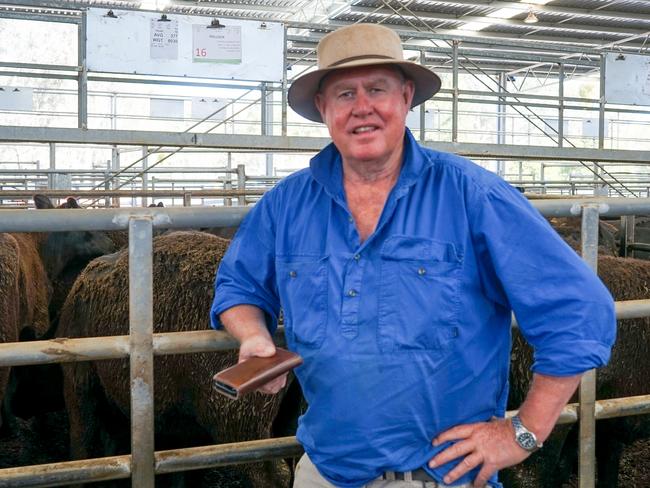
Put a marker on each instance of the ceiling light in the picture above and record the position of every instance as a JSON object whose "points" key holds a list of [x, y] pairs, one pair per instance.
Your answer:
{"points": [[531, 18]]}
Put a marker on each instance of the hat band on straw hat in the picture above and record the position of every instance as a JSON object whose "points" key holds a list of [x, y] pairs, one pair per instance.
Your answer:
{"points": [[356, 58]]}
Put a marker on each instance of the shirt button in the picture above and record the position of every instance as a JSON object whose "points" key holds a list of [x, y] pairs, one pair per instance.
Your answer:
{"points": [[351, 219], [422, 271], [352, 293], [357, 257], [293, 274]]}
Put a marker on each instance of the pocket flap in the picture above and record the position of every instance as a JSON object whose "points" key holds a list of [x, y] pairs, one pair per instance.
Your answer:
{"points": [[419, 249]]}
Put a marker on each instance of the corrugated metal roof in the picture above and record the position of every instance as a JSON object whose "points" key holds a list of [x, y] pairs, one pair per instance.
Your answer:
{"points": [[570, 24]]}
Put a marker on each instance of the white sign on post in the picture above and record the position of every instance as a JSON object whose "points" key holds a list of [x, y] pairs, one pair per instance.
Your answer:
{"points": [[627, 79], [216, 45], [137, 42], [164, 39]]}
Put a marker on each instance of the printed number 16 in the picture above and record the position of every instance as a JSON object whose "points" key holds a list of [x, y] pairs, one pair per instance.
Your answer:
{"points": [[201, 52]]}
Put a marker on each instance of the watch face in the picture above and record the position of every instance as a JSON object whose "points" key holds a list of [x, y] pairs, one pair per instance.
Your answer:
{"points": [[527, 441]]}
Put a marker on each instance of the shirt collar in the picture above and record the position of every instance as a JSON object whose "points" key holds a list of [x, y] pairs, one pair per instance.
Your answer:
{"points": [[326, 167]]}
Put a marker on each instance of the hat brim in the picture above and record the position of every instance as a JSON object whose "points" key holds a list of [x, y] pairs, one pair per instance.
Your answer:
{"points": [[303, 90]]}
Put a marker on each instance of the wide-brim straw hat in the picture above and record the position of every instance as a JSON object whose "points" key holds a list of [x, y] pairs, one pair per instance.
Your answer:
{"points": [[353, 46]]}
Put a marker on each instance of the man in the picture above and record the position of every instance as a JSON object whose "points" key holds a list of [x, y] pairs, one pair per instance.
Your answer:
{"points": [[397, 268]]}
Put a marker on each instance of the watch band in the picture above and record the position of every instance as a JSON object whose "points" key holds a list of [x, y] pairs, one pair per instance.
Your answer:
{"points": [[524, 437]]}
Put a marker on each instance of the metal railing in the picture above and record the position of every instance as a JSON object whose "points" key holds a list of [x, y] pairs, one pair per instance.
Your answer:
{"points": [[142, 345]]}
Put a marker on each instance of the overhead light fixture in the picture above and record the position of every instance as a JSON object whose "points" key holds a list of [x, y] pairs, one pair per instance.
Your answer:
{"points": [[215, 24], [531, 18]]}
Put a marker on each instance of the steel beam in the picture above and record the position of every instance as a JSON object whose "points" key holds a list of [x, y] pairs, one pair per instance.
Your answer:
{"points": [[450, 35], [231, 142], [24, 15], [541, 26]]}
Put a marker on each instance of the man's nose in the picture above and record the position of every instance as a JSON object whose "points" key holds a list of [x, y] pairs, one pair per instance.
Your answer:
{"points": [[362, 104]]}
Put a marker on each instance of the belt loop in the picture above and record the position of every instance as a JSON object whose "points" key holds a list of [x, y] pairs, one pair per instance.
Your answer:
{"points": [[408, 475], [390, 475]]}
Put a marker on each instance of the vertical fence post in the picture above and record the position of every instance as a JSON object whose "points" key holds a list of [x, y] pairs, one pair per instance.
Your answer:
{"points": [[587, 417], [82, 80], [560, 107], [241, 183], [423, 111], [145, 175], [601, 103], [285, 66], [141, 351]]}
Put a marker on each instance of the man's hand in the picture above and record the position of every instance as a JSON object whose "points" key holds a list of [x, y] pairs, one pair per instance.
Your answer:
{"points": [[263, 347], [246, 323], [489, 444]]}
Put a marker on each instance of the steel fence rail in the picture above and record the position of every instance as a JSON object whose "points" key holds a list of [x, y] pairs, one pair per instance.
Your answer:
{"points": [[53, 220], [116, 467], [28, 194], [66, 350]]}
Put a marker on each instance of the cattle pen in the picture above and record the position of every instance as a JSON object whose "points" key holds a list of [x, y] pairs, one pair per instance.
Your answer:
{"points": [[141, 345]]}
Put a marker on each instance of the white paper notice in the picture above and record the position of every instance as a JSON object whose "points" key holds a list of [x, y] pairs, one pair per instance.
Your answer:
{"points": [[221, 45], [164, 39]]}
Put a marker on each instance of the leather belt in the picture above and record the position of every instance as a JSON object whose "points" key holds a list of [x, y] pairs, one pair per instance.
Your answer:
{"points": [[416, 475]]}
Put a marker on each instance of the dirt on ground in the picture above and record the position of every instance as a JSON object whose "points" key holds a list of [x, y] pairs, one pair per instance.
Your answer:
{"points": [[634, 468]]}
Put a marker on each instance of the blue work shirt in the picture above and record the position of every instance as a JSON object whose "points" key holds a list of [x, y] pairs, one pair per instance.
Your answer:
{"points": [[408, 333]]}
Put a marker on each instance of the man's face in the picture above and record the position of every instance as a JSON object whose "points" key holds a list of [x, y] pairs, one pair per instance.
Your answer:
{"points": [[365, 111]]}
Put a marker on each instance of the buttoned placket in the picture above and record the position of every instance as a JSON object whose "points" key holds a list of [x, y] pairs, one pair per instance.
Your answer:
{"points": [[351, 300], [353, 272]]}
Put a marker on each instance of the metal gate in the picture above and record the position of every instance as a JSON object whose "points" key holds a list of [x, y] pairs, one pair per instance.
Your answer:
{"points": [[141, 345]]}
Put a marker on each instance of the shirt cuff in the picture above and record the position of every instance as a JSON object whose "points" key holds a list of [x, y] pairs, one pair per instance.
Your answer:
{"points": [[565, 360], [218, 308]]}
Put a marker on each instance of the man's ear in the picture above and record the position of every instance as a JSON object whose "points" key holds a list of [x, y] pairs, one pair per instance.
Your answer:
{"points": [[408, 92], [319, 101]]}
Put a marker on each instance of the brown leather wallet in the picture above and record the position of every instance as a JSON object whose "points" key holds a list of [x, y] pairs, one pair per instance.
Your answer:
{"points": [[242, 378]]}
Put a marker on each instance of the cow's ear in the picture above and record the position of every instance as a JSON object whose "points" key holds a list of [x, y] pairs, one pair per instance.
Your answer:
{"points": [[71, 202], [41, 201]]}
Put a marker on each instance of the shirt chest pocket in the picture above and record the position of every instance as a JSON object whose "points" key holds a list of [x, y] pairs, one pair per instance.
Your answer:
{"points": [[418, 295], [302, 284]]}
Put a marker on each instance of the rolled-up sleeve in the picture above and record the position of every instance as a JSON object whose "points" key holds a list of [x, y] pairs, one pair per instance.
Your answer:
{"points": [[563, 309], [246, 274]]}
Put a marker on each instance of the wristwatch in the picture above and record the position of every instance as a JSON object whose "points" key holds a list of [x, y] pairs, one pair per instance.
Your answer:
{"points": [[524, 437]]}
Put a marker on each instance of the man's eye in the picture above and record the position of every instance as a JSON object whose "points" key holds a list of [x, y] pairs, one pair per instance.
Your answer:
{"points": [[344, 95]]}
